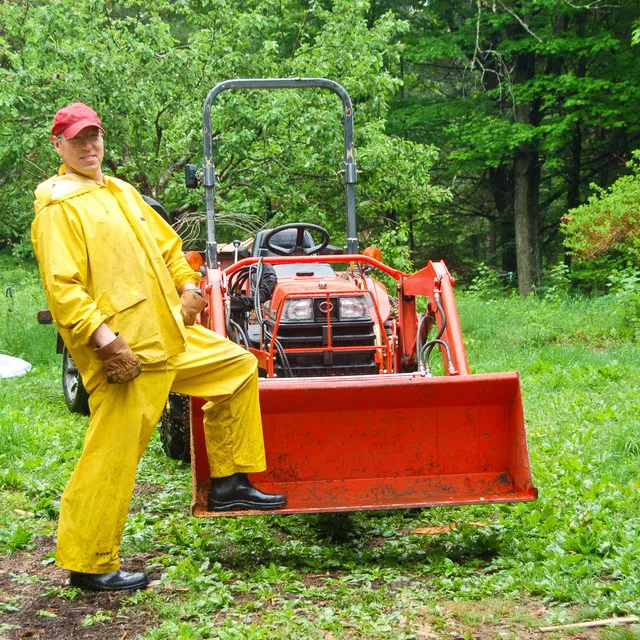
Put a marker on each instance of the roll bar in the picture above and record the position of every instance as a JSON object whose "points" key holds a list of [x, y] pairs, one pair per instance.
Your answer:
{"points": [[349, 171]]}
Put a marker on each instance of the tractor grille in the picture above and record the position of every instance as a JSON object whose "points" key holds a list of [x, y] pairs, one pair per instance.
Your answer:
{"points": [[328, 363]]}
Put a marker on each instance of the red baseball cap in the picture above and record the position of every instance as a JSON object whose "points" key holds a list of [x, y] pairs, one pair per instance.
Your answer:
{"points": [[73, 118]]}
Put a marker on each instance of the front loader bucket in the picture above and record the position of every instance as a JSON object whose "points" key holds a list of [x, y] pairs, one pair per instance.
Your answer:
{"points": [[386, 442]]}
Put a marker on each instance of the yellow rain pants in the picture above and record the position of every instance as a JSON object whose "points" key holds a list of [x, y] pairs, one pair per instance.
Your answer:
{"points": [[123, 416]]}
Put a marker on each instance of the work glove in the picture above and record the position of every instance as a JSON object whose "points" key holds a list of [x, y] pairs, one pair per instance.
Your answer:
{"points": [[120, 363], [241, 303], [192, 305]]}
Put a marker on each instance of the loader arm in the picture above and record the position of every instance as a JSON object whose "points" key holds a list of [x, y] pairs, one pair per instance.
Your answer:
{"points": [[435, 281]]}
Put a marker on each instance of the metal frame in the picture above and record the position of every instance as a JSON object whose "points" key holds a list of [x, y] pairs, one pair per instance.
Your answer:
{"points": [[349, 172]]}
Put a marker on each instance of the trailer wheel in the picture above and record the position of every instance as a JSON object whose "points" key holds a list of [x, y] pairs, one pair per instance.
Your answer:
{"points": [[75, 395], [175, 428]]}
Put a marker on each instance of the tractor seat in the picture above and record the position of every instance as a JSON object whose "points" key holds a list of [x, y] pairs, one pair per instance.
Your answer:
{"points": [[285, 239], [157, 207]]}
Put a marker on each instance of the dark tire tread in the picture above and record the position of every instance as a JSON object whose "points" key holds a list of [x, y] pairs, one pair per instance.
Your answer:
{"points": [[175, 428], [75, 395]]}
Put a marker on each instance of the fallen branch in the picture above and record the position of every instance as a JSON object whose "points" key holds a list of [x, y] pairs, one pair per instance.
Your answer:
{"points": [[593, 623]]}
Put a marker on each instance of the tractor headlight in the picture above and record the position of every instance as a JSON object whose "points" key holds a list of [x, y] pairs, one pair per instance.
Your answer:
{"points": [[298, 310], [353, 308]]}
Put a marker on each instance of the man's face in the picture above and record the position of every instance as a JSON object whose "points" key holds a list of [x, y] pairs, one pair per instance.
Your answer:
{"points": [[82, 154]]}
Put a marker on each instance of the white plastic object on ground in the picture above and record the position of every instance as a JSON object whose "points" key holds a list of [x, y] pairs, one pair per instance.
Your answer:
{"points": [[11, 367]]}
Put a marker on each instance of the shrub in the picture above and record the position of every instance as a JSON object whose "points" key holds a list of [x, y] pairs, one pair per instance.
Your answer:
{"points": [[625, 286], [557, 283], [488, 284], [609, 221]]}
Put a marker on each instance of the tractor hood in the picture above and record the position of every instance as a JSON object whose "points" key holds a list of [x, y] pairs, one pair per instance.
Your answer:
{"points": [[300, 282]]}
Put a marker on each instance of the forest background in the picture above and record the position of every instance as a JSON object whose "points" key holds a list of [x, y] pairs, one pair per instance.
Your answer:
{"points": [[498, 135]]}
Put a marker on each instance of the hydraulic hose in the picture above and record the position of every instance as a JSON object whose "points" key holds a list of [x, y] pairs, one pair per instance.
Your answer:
{"points": [[421, 320], [237, 280], [240, 332], [428, 348], [256, 304], [234, 327], [424, 351], [443, 315]]}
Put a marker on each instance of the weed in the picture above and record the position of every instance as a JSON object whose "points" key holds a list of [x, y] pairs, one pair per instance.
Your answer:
{"points": [[67, 593], [621, 634], [10, 479], [10, 606], [625, 287], [489, 283], [25, 578], [101, 615], [557, 284], [16, 537]]}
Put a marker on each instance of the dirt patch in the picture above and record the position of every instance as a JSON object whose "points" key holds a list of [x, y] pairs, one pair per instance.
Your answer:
{"points": [[36, 602], [495, 618], [146, 489], [597, 343]]}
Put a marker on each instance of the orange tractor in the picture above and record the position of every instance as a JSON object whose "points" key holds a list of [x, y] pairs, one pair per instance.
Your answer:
{"points": [[353, 416]]}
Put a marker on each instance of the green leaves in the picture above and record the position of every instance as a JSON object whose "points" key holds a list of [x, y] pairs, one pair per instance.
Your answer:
{"points": [[146, 67], [488, 141], [609, 222], [16, 538], [489, 83]]}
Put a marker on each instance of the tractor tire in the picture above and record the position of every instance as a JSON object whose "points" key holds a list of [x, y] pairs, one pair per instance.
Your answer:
{"points": [[175, 428], [75, 395]]}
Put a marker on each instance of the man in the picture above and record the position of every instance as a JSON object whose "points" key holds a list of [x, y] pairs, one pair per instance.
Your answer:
{"points": [[125, 301]]}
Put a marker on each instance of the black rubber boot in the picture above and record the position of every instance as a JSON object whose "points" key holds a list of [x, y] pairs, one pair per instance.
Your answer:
{"points": [[236, 492], [114, 581]]}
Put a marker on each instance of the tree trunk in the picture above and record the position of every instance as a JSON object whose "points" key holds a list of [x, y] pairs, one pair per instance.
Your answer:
{"points": [[526, 169], [501, 185], [573, 170], [575, 153], [492, 242], [526, 193]]}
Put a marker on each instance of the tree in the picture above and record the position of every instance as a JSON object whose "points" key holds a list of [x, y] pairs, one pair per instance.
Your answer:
{"points": [[530, 102], [146, 67]]}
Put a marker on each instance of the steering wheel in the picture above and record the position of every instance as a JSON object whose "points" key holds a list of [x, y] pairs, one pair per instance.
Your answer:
{"points": [[298, 248]]}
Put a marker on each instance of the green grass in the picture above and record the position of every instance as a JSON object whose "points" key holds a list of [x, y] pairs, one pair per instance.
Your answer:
{"points": [[21, 296], [575, 551]]}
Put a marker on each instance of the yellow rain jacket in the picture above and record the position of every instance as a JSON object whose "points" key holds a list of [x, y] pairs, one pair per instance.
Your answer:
{"points": [[80, 223]]}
